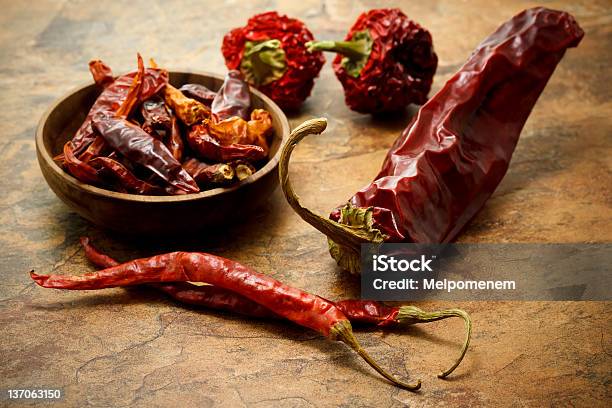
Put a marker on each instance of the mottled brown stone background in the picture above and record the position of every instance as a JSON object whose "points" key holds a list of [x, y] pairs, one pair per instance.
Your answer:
{"points": [[122, 348]]}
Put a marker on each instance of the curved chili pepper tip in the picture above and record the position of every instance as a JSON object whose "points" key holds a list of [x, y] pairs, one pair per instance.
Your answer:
{"points": [[348, 236], [412, 314], [343, 332]]}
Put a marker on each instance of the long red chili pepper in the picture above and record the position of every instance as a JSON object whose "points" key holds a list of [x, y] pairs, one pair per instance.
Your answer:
{"points": [[447, 163], [270, 52], [385, 63], [362, 312], [303, 308]]}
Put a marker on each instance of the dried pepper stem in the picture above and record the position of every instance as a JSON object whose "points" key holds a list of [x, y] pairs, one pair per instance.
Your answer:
{"points": [[343, 332], [357, 48], [356, 51], [345, 235], [412, 314]]}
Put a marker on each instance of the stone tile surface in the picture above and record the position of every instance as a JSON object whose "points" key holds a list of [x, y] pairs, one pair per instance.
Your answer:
{"points": [[136, 348]]}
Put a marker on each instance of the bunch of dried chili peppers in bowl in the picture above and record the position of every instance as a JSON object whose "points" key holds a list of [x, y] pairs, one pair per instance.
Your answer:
{"points": [[144, 136]]}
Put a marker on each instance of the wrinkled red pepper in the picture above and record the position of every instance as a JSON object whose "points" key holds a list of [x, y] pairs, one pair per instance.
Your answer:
{"points": [[155, 116], [386, 62], [300, 307], [125, 180], [447, 163], [232, 99], [140, 147], [208, 147], [198, 92], [160, 123], [271, 54], [112, 97], [361, 312]]}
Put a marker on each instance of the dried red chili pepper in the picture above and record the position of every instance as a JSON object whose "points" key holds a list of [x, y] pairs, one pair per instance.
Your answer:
{"points": [[198, 92], [140, 147], [125, 179], [271, 54], [209, 174], [237, 131], [111, 99], [155, 116], [232, 99], [450, 159], [363, 312], [188, 110], [129, 102], [386, 62], [160, 123], [208, 147], [300, 307]]}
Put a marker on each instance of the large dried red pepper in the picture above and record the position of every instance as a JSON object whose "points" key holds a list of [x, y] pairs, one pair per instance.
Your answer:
{"points": [[300, 307], [447, 163], [385, 63], [361, 312], [270, 52]]}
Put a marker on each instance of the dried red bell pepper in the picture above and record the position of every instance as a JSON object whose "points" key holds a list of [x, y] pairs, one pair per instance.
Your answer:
{"points": [[271, 54], [386, 62], [447, 163]]}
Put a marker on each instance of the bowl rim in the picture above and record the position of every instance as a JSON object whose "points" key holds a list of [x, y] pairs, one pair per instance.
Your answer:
{"points": [[267, 168]]}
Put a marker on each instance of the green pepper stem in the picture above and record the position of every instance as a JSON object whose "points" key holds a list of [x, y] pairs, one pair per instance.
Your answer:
{"points": [[344, 235], [343, 331], [262, 46], [412, 315], [352, 49]]}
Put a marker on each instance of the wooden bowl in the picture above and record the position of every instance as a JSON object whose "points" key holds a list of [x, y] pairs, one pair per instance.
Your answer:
{"points": [[137, 214]]}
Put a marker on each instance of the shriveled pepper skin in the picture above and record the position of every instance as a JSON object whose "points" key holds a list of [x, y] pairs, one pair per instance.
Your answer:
{"points": [[453, 155], [112, 97], [364, 312], [232, 99], [294, 86], [198, 92], [399, 69], [294, 304], [208, 147], [140, 147]]}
